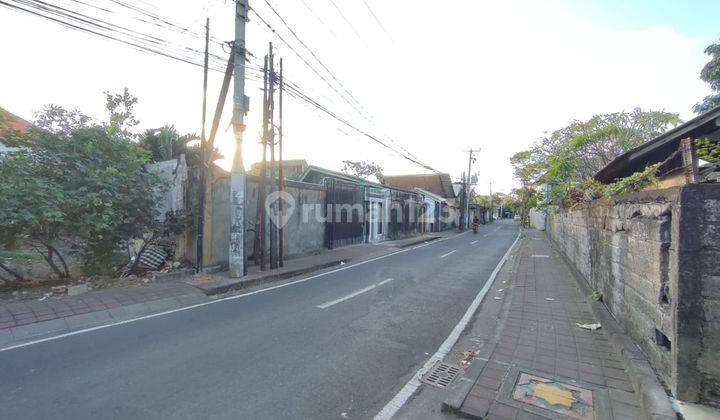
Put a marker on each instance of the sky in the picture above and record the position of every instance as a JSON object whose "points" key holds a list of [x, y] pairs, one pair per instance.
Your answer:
{"points": [[434, 78]]}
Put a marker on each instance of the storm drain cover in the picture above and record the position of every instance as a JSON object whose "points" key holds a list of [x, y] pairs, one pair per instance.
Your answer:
{"points": [[441, 375]]}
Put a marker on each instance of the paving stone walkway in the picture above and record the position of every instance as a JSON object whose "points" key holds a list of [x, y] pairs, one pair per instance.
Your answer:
{"points": [[544, 365], [20, 313]]}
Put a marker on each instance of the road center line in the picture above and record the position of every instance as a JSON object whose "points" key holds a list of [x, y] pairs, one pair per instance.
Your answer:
{"points": [[346, 297], [353, 294], [445, 255], [473, 242], [385, 281]]}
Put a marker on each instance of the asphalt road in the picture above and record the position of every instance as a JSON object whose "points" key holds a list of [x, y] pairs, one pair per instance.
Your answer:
{"points": [[337, 346]]}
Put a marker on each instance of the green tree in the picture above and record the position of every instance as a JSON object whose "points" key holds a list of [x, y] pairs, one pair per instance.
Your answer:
{"points": [[120, 106], [90, 190], [568, 158], [363, 169], [710, 73], [60, 121]]}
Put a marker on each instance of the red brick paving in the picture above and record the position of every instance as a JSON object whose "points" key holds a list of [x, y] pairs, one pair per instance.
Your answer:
{"points": [[28, 312], [541, 335]]}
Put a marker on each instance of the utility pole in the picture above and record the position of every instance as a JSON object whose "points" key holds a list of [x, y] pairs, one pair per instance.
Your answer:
{"points": [[281, 178], [203, 161], [491, 202], [237, 175], [462, 204], [260, 219], [471, 159], [271, 143]]}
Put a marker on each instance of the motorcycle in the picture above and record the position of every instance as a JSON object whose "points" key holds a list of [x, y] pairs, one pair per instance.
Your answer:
{"points": [[475, 227]]}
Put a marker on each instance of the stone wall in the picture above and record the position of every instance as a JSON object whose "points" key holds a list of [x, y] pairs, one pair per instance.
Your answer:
{"points": [[654, 256]]}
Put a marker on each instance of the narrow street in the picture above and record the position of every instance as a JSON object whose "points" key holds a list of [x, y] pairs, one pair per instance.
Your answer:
{"points": [[339, 345]]}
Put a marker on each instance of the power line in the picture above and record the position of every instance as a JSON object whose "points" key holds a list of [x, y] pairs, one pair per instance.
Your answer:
{"points": [[307, 6], [377, 20], [156, 45], [295, 92], [135, 39], [349, 24], [313, 54], [323, 64], [310, 66], [274, 31]]}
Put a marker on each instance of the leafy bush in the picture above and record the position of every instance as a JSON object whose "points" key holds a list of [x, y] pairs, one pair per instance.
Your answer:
{"points": [[90, 188]]}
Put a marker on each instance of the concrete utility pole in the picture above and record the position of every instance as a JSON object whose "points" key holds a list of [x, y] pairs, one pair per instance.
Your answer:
{"points": [[237, 175], [471, 159], [491, 202], [203, 161]]}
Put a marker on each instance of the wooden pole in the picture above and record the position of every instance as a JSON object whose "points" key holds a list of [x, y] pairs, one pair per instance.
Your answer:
{"points": [[281, 178], [271, 144], [690, 161], [260, 219]]}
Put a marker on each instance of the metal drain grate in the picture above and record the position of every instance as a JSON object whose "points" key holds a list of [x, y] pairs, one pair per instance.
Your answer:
{"points": [[441, 375]]}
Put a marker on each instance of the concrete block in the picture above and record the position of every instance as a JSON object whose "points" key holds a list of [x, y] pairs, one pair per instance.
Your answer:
{"points": [[162, 304], [89, 319], [122, 313], [24, 332]]}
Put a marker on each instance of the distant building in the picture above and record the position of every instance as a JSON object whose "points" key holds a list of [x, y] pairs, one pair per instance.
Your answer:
{"points": [[439, 184], [292, 168], [9, 123]]}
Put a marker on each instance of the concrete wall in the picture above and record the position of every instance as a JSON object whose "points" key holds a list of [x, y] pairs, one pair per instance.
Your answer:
{"points": [[654, 256], [303, 236], [175, 173], [537, 219]]}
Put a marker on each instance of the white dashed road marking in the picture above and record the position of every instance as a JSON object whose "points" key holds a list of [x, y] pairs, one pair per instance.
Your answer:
{"points": [[352, 295], [445, 255]]}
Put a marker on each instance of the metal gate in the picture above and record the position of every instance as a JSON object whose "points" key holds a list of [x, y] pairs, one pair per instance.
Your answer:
{"points": [[404, 214], [345, 213]]}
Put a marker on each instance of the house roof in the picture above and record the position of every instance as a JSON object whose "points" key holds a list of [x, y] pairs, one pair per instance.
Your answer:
{"points": [[339, 175], [660, 148], [285, 163], [430, 195], [439, 184], [10, 121]]}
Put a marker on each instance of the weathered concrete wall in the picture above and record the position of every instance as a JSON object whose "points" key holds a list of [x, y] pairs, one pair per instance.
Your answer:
{"points": [[537, 219], [654, 256], [699, 292], [175, 173], [304, 234]]}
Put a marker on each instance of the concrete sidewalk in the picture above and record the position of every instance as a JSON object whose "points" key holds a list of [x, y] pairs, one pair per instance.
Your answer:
{"points": [[526, 357], [31, 319]]}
